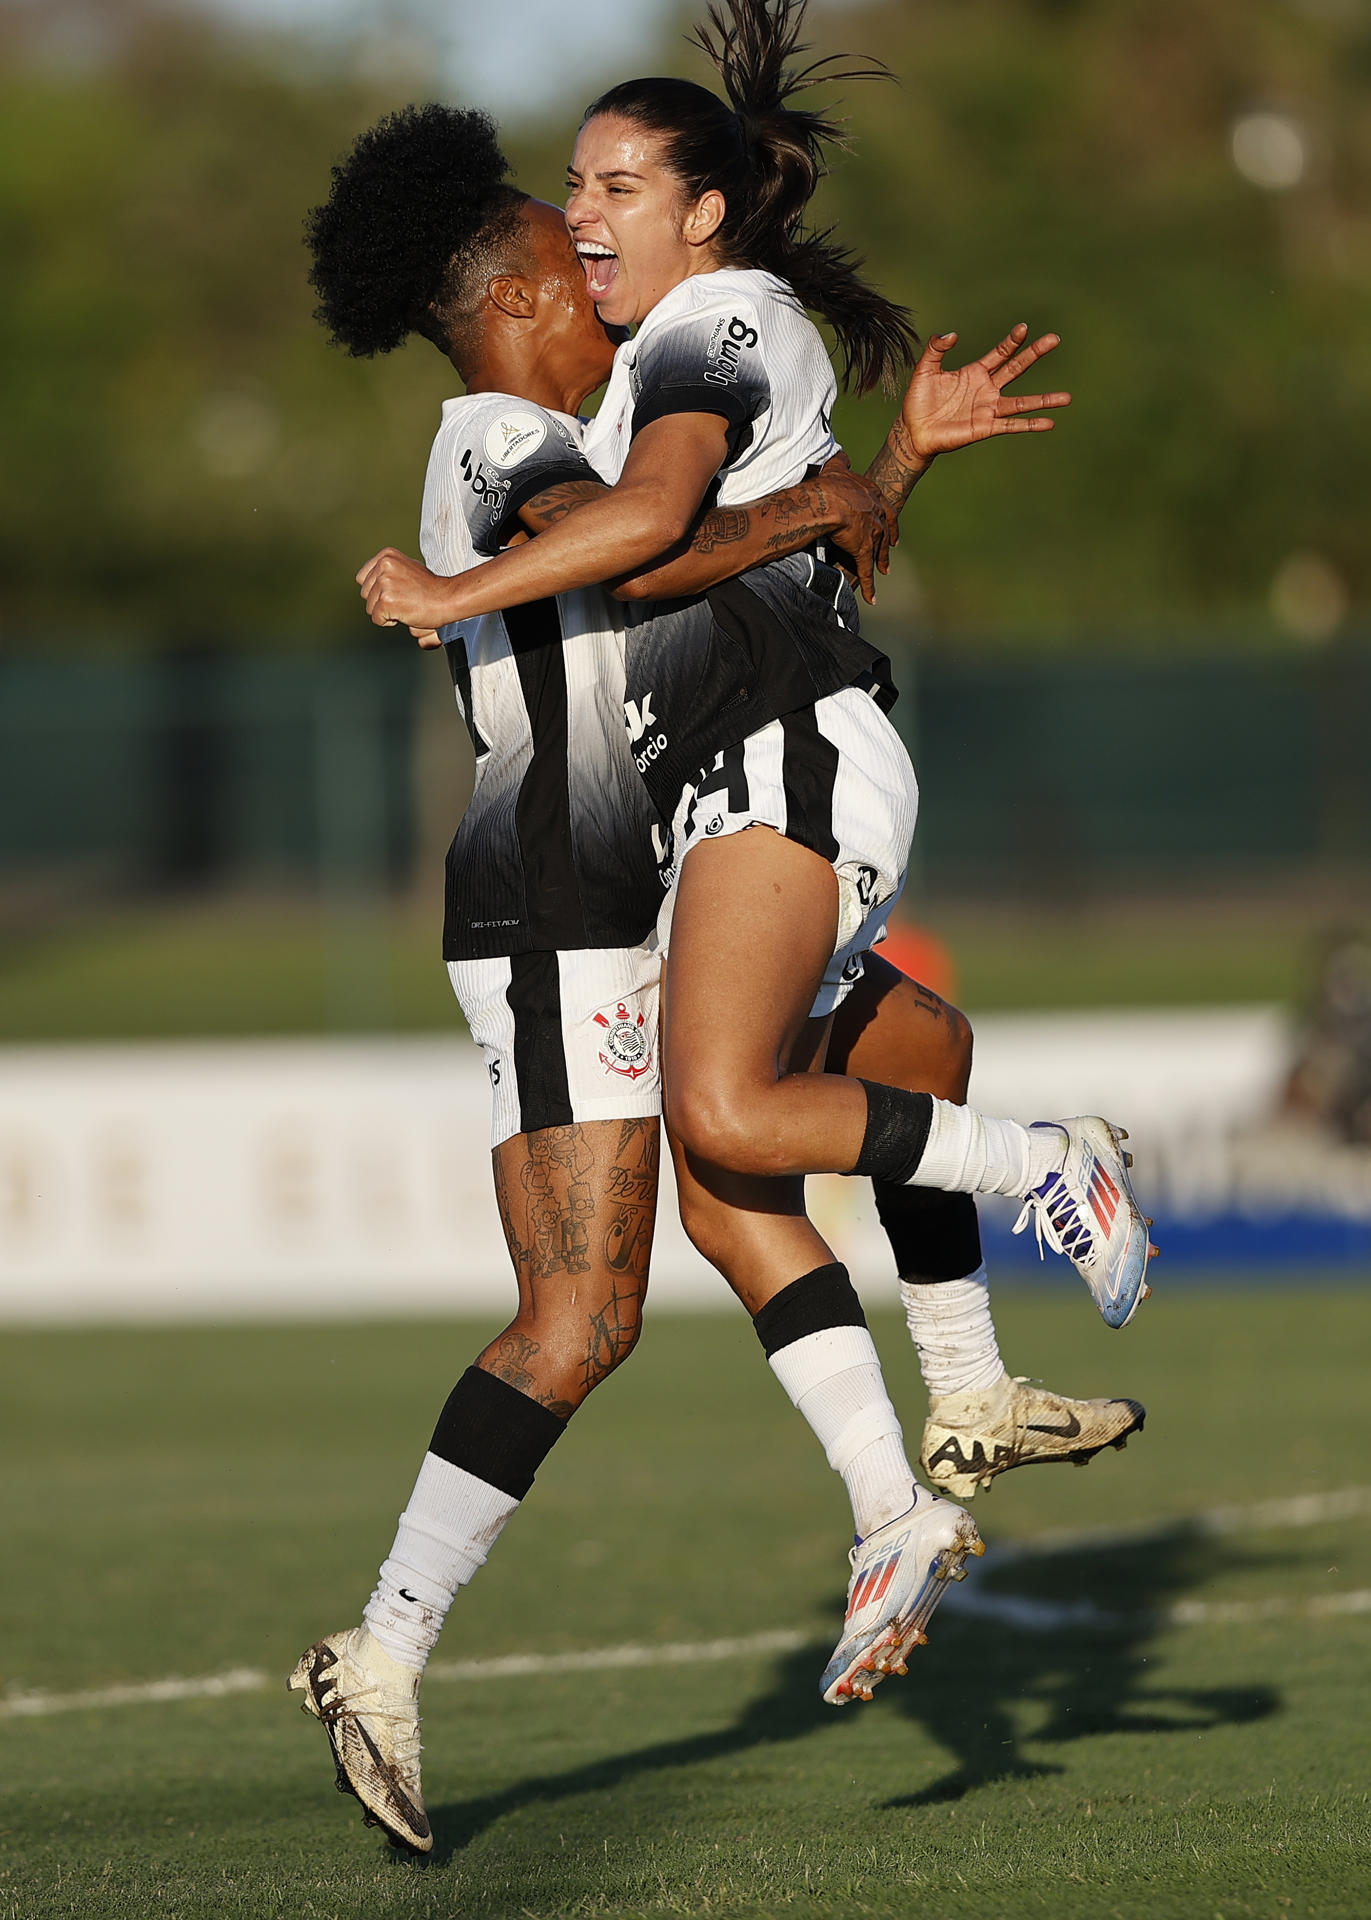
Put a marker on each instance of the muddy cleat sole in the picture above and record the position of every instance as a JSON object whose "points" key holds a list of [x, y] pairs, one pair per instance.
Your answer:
{"points": [[970, 1438], [899, 1574], [368, 1704], [1087, 1210]]}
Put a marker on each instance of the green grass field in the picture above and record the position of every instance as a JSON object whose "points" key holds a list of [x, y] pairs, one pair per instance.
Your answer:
{"points": [[250, 965], [189, 1502]]}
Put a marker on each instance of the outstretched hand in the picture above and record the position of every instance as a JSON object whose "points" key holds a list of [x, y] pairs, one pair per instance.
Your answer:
{"points": [[949, 407]]}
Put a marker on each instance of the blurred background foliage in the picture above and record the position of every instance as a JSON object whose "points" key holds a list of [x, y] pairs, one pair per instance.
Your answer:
{"points": [[1183, 192], [1134, 652]]}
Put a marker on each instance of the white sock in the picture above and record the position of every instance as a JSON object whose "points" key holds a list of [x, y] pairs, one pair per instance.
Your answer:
{"points": [[445, 1533], [970, 1152], [834, 1379], [953, 1333]]}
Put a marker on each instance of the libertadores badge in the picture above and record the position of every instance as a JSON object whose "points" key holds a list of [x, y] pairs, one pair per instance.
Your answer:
{"points": [[624, 1047]]}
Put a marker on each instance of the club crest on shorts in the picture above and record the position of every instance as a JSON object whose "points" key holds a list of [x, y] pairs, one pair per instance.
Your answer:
{"points": [[623, 1042]]}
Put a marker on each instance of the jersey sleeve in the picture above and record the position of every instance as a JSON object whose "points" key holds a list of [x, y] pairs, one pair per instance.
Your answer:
{"points": [[710, 362], [508, 451]]}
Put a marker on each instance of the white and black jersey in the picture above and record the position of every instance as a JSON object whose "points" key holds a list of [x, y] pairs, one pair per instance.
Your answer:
{"points": [[702, 674], [556, 851]]}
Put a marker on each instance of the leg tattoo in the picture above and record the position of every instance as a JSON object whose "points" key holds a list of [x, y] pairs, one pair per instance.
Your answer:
{"points": [[512, 1354]]}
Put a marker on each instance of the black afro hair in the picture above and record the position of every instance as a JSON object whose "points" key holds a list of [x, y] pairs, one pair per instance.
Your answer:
{"points": [[420, 194]]}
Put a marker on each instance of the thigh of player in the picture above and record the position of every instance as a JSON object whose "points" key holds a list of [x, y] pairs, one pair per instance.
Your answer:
{"points": [[767, 928], [570, 1041], [893, 1029]]}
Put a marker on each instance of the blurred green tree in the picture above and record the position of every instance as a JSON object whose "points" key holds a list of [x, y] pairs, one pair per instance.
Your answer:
{"points": [[185, 461], [1183, 192], [1076, 164]]}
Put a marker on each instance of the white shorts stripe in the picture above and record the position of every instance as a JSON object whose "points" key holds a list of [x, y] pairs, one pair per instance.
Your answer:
{"points": [[567, 1037]]}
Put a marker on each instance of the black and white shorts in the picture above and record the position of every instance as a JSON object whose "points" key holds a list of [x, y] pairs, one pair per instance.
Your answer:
{"points": [[567, 1036], [836, 778]]}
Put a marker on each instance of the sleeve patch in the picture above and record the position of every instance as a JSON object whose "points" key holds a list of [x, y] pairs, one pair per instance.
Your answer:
{"points": [[710, 363], [729, 340], [513, 437], [507, 454]]}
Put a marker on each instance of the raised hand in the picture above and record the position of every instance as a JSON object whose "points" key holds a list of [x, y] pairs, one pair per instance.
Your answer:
{"points": [[949, 407]]}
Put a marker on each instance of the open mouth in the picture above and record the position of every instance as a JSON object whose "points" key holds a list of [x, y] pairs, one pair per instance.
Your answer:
{"points": [[601, 266]]}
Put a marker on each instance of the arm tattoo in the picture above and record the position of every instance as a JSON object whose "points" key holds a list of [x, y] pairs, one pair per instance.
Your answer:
{"points": [[896, 469], [786, 539], [555, 503], [722, 527], [808, 498]]}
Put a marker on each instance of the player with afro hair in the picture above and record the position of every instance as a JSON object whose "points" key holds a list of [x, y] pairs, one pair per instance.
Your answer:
{"points": [[553, 892], [420, 214]]}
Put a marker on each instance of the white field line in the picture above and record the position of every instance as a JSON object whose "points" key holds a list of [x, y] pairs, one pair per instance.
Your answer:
{"points": [[1053, 1616], [240, 1680], [678, 1653], [1009, 1610], [512, 1666], [1300, 1510]]}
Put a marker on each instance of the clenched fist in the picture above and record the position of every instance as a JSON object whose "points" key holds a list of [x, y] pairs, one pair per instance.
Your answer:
{"points": [[401, 592]]}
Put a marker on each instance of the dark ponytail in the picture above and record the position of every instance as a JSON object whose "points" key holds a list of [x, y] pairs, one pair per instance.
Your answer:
{"points": [[766, 158]]}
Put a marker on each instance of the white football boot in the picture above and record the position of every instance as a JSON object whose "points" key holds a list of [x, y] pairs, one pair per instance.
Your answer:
{"points": [[1086, 1209], [899, 1574], [369, 1705], [970, 1437]]}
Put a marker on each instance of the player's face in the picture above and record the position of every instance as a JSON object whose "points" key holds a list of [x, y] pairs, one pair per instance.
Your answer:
{"points": [[636, 234], [572, 337]]}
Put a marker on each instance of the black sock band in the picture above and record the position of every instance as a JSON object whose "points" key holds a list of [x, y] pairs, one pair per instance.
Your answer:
{"points": [[813, 1303], [897, 1125], [933, 1235], [490, 1429]]}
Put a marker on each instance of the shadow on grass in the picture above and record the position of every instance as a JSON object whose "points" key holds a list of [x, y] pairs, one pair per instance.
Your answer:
{"points": [[1085, 1681], [967, 1690]]}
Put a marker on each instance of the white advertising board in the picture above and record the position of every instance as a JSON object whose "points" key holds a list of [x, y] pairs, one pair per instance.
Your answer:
{"points": [[162, 1182]]}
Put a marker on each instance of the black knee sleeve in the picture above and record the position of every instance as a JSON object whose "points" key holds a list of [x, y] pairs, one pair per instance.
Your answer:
{"points": [[813, 1303], [933, 1235], [897, 1125], [493, 1431]]}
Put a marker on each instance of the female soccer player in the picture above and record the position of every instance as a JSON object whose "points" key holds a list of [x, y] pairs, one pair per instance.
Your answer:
{"points": [[760, 708], [756, 710], [818, 1309], [768, 694], [552, 884]]}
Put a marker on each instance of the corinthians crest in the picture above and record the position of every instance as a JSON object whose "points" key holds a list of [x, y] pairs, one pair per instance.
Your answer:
{"points": [[623, 1043]]}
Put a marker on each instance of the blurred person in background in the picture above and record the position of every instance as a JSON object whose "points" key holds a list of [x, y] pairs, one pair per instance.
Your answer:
{"points": [[1330, 1082]]}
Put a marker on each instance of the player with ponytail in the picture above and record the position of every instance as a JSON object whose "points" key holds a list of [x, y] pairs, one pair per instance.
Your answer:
{"points": [[757, 717], [766, 157]]}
